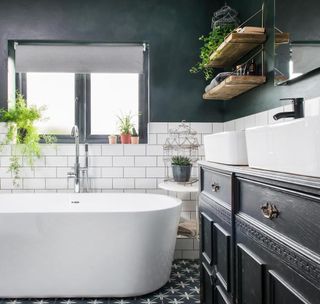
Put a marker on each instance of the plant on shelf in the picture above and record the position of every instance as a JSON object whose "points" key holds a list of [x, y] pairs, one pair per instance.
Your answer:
{"points": [[134, 136], [210, 45], [23, 134], [181, 168], [125, 125]]}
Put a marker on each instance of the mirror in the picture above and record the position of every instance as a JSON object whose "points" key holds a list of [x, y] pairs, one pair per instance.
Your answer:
{"points": [[297, 39]]}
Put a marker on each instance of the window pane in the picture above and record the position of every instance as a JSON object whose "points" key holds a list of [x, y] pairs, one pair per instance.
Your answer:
{"points": [[112, 95], [55, 91]]}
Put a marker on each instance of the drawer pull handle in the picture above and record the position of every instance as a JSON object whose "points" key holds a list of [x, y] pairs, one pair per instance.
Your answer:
{"points": [[215, 187], [270, 211]]}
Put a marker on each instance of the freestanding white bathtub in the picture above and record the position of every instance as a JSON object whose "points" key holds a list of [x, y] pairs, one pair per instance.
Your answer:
{"points": [[85, 245]]}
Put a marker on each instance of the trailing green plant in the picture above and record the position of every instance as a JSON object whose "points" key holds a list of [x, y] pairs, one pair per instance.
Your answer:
{"points": [[125, 123], [134, 132], [210, 45], [179, 160], [23, 132]]}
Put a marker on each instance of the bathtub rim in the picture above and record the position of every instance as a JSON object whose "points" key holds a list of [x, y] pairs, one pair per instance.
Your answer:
{"points": [[56, 207]]}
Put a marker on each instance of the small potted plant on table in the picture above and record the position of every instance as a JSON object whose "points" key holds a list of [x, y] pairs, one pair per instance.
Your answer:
{"points": [[125, 126], [181, 168], [134, 136]]}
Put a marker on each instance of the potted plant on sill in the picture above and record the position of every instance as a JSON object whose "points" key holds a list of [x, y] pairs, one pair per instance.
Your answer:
{"points": [[23, 134], [181, 168], [112, 139], [134, 136], [125, 126]]}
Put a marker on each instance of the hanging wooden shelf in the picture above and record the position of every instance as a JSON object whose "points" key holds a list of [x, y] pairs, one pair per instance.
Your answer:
{"points": [[282, 38], [235, 46], [234, 86]]}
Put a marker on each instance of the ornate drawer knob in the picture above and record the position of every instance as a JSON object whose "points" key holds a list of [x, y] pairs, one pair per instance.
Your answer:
{"points": [[270, 211], [215, 187]]}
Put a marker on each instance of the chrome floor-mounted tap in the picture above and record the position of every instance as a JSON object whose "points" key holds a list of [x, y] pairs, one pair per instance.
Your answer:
{"points": [[77, 169]]}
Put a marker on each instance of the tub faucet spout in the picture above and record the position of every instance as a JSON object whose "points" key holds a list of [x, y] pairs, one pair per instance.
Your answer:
{"points": [[76, 170]]}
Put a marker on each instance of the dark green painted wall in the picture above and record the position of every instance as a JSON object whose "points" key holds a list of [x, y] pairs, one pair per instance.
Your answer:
{"points": [[172, 28], [267, 96]]}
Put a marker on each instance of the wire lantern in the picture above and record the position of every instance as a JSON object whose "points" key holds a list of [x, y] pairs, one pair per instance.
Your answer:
{"points": [[182, 141], [225, 16]]}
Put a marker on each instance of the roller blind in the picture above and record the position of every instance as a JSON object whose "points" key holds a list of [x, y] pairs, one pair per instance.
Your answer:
{"points": [[79, 58]]}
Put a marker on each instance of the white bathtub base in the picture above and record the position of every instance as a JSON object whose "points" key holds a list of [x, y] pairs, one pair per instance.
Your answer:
{"points": [[96, 254]]}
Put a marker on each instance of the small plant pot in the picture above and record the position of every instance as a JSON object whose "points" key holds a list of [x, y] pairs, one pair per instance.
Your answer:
{"points": [[125, 138], [112, 139], [181, 174], [135, 139]]}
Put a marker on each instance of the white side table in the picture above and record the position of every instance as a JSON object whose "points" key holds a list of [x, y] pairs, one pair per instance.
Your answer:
{"points": [[179, 187], [183, 188]]}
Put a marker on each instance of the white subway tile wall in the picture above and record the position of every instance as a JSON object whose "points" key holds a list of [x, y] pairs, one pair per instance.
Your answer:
{"points": [[125, 168], [112, 168], [311, 108]]}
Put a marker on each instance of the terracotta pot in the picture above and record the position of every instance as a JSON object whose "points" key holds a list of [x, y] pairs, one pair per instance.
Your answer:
{"points": [[112, 139], [134, 139], [125, 138]]}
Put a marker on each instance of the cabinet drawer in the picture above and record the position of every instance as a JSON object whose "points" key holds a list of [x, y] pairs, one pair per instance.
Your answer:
{"points": [[217, 185], [293, 214]]}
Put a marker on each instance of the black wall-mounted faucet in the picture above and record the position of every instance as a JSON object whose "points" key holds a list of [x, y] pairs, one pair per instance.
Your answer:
{"points": [[297, 112]]}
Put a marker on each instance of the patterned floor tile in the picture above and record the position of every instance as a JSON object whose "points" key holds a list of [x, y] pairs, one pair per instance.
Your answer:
{"points": [[182, 288]]}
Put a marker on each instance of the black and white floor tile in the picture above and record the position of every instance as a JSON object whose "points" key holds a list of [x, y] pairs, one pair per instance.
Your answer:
{"points": [[182, 288]]}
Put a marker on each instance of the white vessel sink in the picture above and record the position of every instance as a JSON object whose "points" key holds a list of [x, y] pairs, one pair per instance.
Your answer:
{"points": [[226, 148], [292, 147]]}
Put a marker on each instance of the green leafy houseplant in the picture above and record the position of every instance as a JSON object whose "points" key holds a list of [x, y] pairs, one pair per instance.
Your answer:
{"points": [[181, 168], [22, 132], [125, 125], [210, 45], [181, 161]]}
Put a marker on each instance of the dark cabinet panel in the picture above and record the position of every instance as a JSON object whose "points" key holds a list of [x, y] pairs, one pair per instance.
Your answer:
{"points": [[294, 274], [207, 287], [250, 276], [215, 244], [220, 296], [206, 224], [281, 292], [222, 261], [291, 256]]}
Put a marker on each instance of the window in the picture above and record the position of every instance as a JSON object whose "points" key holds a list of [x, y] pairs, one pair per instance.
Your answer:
{"points": [[56, 92], [111, 95], [85, 85]]}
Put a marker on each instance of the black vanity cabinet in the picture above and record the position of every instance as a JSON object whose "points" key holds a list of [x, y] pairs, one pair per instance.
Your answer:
{"points": [[268, 234]]}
